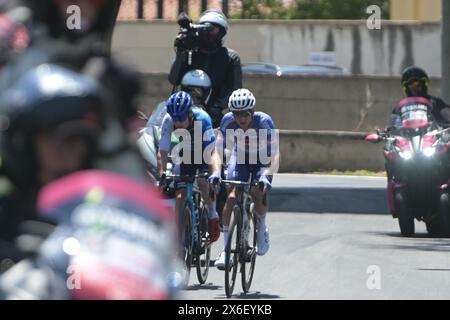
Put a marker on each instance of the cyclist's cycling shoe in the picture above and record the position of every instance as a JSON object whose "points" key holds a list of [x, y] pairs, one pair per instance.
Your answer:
{"points": [[213, 229], [220, 262], [262, 242]]}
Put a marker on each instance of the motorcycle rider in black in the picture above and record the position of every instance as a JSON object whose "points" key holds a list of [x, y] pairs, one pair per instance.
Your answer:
{"points": [[415, 83], [222, 64]]}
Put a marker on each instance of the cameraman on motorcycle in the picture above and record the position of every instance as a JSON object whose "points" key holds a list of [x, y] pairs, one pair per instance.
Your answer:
{"points": [[222, 64], [415, 83]]}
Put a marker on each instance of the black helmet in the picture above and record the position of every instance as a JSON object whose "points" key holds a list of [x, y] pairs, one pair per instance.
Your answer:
{"points": [[414, 73], [46, 97], [218, 19]]}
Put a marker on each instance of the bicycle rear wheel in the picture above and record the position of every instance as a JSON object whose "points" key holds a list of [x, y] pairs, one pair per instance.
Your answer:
{"points": [[187, 241], [232, 251], [203, 246], [248, 253]]}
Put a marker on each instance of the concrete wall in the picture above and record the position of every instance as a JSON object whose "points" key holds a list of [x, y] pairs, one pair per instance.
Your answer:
{"points": [[323, 119], [355, 103], [310, 151], [375, 52]]}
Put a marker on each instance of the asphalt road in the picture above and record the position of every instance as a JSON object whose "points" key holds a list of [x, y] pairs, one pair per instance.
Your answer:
{"points": [[327, 181], [339, 256], [320, 194]]}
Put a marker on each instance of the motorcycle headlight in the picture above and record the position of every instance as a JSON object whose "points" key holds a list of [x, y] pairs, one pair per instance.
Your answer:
{"points": [[429, 152], [406, 155]]}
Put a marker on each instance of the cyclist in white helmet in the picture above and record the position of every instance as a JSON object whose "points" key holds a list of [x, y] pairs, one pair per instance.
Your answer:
{"points": [[223, 65], [242, 121]]}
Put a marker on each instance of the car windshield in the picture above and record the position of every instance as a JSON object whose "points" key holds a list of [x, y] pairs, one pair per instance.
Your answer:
{"points": [[281, 70], [312, 69], [260, 68]]}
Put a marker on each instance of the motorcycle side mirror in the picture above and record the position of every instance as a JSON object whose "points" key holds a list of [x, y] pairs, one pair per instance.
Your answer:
{"points": [[374, 138]]}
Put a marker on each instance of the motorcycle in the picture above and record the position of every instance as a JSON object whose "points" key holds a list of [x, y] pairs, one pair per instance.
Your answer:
{"points": [[416, 151], [109, 237], [148, 145]]}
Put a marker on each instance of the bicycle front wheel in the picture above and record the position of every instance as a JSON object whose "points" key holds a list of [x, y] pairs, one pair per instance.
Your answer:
{"points": [[203, 246], [248, 252], [187, 241], [232, 251]]}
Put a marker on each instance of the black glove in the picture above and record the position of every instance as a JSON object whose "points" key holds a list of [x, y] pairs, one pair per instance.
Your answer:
{"points": [[186, 42], [162, 179]]}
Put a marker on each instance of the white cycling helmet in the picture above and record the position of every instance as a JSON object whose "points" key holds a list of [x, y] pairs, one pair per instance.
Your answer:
{"points": [[241, 100], [197, 79]]}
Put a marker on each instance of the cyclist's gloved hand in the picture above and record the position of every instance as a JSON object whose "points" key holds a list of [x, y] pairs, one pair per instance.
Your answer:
{"points": [[215, 177], [162, 181], [266, 182]]}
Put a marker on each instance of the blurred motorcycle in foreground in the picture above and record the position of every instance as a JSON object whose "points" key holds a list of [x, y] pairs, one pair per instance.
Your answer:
{"points": [[110, 237]]}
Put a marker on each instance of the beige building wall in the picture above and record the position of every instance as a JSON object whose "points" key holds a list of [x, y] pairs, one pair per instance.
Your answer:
{"points": [[128, 8], [149, 44], [420, 10]]}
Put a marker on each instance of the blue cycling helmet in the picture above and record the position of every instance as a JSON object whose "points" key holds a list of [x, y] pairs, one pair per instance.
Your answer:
{"points": [[178, 105]]}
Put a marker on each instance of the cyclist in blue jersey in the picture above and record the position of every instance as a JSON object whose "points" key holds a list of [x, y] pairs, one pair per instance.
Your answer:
{"points": [[186, 120], [252, 139]]}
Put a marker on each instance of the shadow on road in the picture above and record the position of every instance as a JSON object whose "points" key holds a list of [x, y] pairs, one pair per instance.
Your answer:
{"points": [[421, 241], [252, 296], [323, 200], [257, 295], [424, 269], [394, 234], [206, 286]]}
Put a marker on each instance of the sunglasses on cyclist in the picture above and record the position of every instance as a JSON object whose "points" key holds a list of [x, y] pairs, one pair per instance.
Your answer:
{"points": [[194, 91], [179, 118], [242, 114]]}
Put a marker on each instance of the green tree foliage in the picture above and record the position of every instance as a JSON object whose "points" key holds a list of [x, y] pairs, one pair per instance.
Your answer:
{"points": [[332, 9], [310, 9], [262, 9]]}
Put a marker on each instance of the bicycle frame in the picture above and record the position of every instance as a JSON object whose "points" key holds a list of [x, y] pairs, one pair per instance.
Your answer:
{"points": [[197, 241], [194, 211], [243, 253]]}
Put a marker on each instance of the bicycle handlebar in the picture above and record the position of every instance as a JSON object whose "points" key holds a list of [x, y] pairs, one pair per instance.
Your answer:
{"points": [[242, 183], [187, 176]]}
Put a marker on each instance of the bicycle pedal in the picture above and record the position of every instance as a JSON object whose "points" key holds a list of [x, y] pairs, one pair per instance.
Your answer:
{"points": [[249, 254], [200, 251]]}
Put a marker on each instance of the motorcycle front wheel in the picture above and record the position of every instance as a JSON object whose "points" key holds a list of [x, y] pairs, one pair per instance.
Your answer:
{"points": [[405, 216]]}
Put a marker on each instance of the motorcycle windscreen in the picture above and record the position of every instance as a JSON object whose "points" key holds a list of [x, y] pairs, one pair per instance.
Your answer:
{"points": [[157, 115], [415, 116], [115, 238], [155, 121], [415, 112]]}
